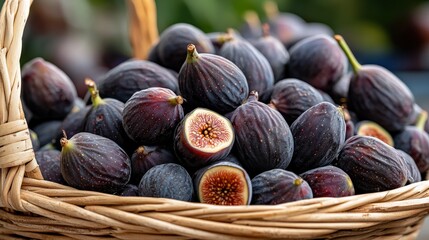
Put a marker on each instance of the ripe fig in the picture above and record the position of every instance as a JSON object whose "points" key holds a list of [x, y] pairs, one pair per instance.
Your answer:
{"points": [[318, 133], [291, 97], [49, 164], [46, 90], [211, 81], [372, 129], [130, 190], [134, 75], [175, 38], [329, 181], [47, 131], [318, 61], [168, 180], [263, 138], [350, 124], [378, 95], [274, 51], [223, 183], [146, 157], [413, 172], [105, 117], [95, 163], [251, 29], [415, 141], [372, 165], [203, 137], [278, 186], [151, 115], [72, 124], [257, 71]]}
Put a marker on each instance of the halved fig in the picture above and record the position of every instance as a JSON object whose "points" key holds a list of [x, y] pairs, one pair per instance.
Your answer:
{"points": [[373, 129], [202, 137], [223, 183]]}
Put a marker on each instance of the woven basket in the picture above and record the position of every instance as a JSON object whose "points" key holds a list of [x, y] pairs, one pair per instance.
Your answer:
{"points": [[38, 209]]}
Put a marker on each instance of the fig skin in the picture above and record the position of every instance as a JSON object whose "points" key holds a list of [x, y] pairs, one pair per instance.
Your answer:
{"points": [[278, 186], [211, 81], [122, 81], [130, 190], [274, 51], [291, 97], [329, 181], [174, 39], [317, 60], [376, 94], [50, 165], [194, 157], [47, 131], [34, 140], [258, 72], [414, 142], [372, 165], [263, 137], [72, 124], [146, 157], [104, 118], [223, 177], [95, 163], [318, 133], [168, 180], [151, 115], [414, 174], [55, 95]]}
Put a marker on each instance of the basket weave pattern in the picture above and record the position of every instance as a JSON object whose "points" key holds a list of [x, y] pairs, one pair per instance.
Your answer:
{"points": [[34, 208]]}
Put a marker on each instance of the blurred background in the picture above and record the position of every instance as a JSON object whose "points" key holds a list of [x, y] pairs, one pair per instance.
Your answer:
{"points": [[89, 37]]}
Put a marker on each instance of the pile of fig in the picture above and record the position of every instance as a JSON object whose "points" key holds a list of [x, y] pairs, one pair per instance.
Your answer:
{"points": [[230, 118]]}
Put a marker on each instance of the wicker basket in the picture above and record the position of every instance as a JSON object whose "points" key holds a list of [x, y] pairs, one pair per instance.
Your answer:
{"points": [[38, 209]]}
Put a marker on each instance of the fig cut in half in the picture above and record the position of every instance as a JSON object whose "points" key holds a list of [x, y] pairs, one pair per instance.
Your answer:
{"points": [[223, 183], [202, 137]]}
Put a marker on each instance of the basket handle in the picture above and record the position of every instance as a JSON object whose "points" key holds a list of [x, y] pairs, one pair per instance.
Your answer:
{"points": [[17, 157]]}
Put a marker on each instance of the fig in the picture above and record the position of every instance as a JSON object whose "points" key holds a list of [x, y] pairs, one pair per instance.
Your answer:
{"points": [[130, 190], [146, 157], [251, 62], [211, 81], [202, 137], [278, 186], [376, 94], [317, 60], [274, 51], [223, 183], [318, 133], [50, 165], [95, 163], [326, 97], [372, 129], [47, 131], [291, 97], [104, 118], [413, 172], [168, 180], [55, 95], [263, 137], [251, 29], [175, 38], [340, 90], [72, 124], [151, 115], [372, 165], [415, 141], [329, 181], [122, 81], [350, 124]]}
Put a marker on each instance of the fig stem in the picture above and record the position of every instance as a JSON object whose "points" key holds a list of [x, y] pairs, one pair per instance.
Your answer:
{"points": [[92, 88], [297, 181], [271, 9], [345, 47], [253, 96], [192, 55], [178, 100], [252, 18], [421, 120], [266, 30]]}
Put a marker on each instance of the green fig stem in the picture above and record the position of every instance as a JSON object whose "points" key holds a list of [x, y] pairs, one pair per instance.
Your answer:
{"points": [[95, 96], [192, 55], [352, 59], [421, 120], [178, 100], [252, 18], [297, 181]]}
